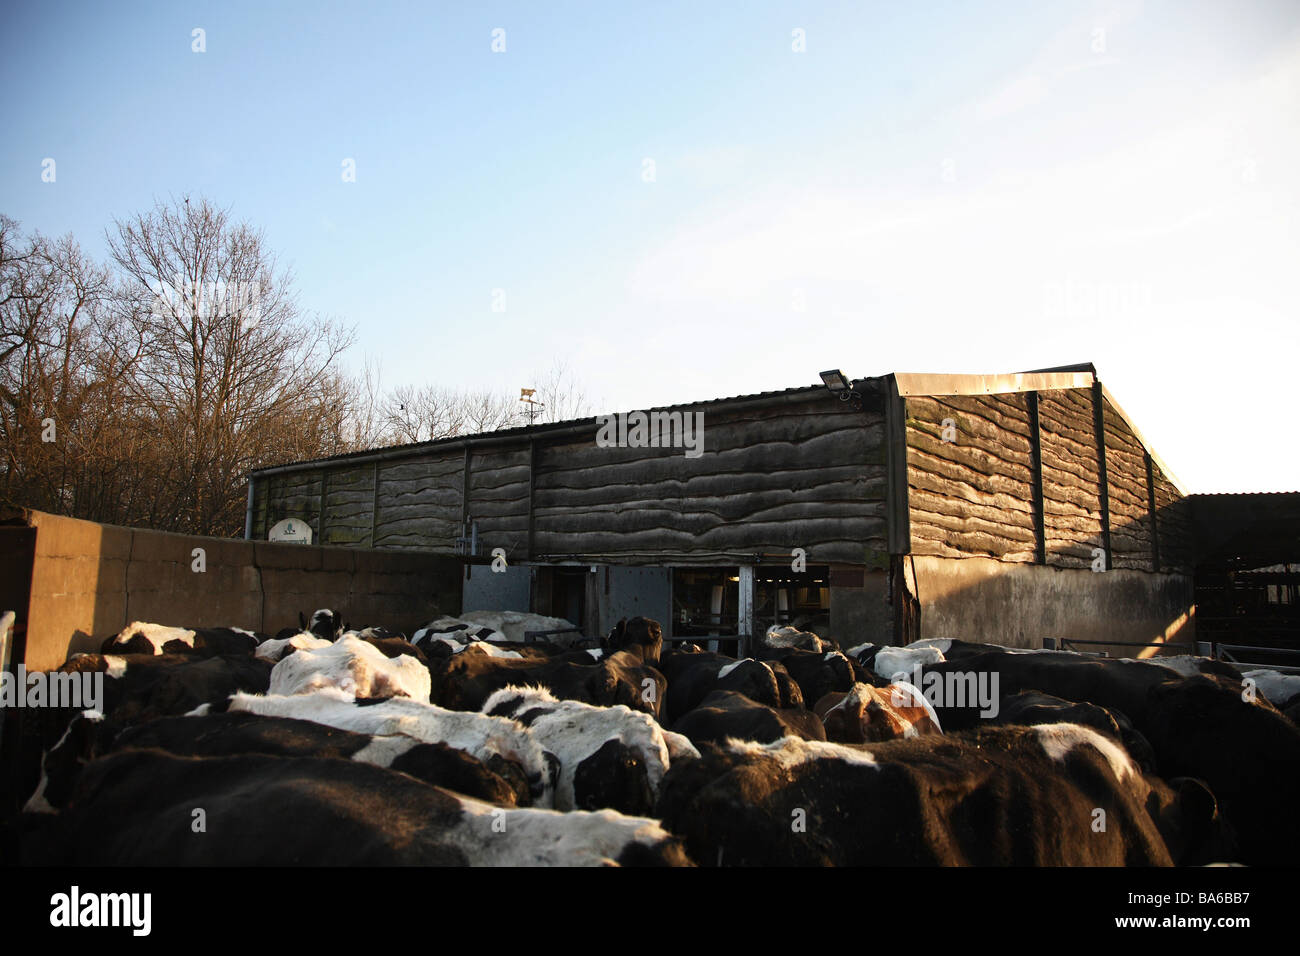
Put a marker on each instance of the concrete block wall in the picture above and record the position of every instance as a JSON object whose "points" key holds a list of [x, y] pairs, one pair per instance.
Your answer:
{"points": [[89, 580], [980, 599]]}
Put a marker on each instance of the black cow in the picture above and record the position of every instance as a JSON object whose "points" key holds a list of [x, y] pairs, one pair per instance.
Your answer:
{"points": [[466, 680], [692, 677], [726, 713], [1247, 752], [817, 673], [641, 635], [140, 687]]}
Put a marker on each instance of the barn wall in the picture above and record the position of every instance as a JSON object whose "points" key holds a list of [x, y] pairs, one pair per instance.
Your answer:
{"points": [[803, 471], [973, 495], [970, 495], [980, 599], [805, 475], [90, 580], [1071, 477]]}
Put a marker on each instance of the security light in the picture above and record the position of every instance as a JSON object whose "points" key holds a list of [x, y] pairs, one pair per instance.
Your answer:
{"points": [[837, 384]]}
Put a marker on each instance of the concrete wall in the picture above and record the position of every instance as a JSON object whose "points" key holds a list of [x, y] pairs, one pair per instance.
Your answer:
{"points": [[980, 599], [488, 590], [861, 613], [89, 580]]}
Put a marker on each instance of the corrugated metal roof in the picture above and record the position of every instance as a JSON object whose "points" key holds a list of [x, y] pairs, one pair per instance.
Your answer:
{"points": [[1240, 494], [528, 430]]}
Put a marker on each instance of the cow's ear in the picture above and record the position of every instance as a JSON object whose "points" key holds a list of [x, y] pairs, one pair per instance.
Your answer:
{"points": [[302, 621], [1196, 800]]}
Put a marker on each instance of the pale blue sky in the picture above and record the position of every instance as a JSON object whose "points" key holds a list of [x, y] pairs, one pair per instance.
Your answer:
{"points": [[941, 187]]}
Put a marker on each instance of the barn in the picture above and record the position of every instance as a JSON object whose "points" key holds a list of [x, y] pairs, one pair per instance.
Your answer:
{"points": [[1012, 508]]}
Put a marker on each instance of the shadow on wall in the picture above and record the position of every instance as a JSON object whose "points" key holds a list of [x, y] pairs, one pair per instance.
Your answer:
{"points": [[1075, 595]]}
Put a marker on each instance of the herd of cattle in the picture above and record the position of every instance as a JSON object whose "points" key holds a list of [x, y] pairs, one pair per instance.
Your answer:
{"points": [[461, 745]]}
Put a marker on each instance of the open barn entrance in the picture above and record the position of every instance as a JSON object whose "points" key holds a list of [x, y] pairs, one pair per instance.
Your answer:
{"points": [[785, 597], [711, 608]]}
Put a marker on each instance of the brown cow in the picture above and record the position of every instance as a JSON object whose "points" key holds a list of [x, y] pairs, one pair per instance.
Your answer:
{"points": [[867, 714]]}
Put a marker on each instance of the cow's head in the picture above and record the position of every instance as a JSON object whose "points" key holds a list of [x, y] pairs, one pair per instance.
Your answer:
{"points": [[641, 635]]}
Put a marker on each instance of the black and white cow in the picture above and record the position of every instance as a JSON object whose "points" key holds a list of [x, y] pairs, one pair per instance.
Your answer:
{"points": [[325, 622], [1207, 727], [609, 756], [480, 735], [997, 796], [499, 781], [140, 637], [1030, 708], [263, 810], [353, 665]]}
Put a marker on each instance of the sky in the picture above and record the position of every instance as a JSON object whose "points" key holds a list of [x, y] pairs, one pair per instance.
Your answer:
{"points": [[684, 201]]}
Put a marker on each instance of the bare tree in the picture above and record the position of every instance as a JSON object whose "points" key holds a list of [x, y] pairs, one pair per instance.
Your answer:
{"points": [[561, 395], [231, 374], [414, 414], [63, 364]]}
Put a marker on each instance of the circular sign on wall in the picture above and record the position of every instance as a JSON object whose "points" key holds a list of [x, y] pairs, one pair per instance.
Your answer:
{"points": [[290, 531]]}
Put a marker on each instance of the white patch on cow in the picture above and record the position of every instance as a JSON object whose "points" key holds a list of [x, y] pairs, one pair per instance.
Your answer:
{"points": [[459, 632], [942, 644], [1276, 686], [859, 648], [573, 731], [200, 711], [1185, 665], [596, 653], [240, 630], [155, 634], [790, 752], [679, 747], [491, 650], [476, 734], [116, 666], [786, 636], [532, 837], [1059, 739], [382, 751], [274, 649], [859, 696], [727, 669], [37, 803], [511, 625], [354, 666], [916, 699], [895, 660]]}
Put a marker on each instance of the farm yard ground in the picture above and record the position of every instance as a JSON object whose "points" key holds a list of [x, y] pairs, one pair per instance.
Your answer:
{"points": [[457, 745]]}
